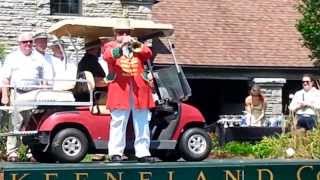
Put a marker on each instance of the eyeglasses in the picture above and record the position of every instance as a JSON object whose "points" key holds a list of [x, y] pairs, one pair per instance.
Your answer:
{"points": [[26, 42]]}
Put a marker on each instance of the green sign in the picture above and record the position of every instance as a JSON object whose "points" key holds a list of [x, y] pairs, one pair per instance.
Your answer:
{"points": [[206, 170]]}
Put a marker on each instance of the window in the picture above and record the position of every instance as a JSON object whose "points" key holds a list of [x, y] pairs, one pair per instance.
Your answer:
{"points": [[65, 7]]}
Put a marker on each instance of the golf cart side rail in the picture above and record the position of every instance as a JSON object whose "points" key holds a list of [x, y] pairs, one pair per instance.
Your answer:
{"points": [[43, 96]]}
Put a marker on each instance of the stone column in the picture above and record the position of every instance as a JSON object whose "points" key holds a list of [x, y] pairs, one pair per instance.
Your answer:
{"points": [[272, 90]]}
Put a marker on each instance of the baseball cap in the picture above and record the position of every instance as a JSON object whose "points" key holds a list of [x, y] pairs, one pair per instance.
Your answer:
{"points": [[25, 36], [40, 34]]}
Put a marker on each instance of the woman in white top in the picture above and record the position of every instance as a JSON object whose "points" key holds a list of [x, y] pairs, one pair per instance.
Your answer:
{"points": [[255, 106]]}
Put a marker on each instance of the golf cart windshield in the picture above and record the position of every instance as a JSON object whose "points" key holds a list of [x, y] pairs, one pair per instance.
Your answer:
{"points": [[171, 82]]}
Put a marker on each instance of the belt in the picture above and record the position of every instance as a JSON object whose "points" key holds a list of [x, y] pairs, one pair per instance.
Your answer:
{"points": [[307, 115], [22, 91]]}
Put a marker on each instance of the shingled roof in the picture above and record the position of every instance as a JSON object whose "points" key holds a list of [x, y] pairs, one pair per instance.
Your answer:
{"points": [[234, 32]]}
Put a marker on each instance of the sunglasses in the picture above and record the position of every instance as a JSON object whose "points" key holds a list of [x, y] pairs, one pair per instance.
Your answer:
{"points": [[307, 82], [26, 42], [123, 32]]}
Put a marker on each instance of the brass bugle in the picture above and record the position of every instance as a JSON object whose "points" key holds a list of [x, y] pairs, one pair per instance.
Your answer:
{"points": [[135, 45]]}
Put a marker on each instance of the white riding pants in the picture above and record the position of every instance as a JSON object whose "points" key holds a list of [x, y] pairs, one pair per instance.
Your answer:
{"points": [[118, 126]]}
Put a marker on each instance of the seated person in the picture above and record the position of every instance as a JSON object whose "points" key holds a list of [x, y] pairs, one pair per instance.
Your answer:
{"points": [[255, 105], [65, 72], [305, 103], [89, 62]]}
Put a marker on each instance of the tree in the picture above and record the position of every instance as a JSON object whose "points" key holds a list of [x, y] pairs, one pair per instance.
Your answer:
{"points": [[2, 53], [309, 26]]}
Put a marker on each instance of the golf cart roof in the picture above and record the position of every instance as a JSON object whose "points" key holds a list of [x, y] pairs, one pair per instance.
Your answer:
{"points": [[97, 27]]}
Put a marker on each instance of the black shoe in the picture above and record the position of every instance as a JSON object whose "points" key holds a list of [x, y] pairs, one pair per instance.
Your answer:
{"points": [[116, 158], [148, 159]]}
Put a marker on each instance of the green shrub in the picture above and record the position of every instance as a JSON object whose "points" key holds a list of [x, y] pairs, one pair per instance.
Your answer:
{"points": [[2, 52], [308, 144], [272, 147], [239, 148], [303, 144], [3, 128], [22, 152]]}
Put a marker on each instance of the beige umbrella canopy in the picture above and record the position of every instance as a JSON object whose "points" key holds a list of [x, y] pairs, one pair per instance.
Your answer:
{"points": [[93, 27]]}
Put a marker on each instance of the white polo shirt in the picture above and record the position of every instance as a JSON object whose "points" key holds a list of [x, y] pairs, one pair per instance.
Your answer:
{"points": [[49, 71], [18, 67], [311, 97]]}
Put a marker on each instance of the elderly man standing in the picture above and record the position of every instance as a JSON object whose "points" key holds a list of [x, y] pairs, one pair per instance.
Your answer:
{"points": [[305, 103], [18, 66], [128, 93], [41, 44]]}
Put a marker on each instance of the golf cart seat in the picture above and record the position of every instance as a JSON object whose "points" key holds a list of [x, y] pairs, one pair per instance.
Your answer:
{"points": [[82, 91], [84, 86], [60, 96], [52, 95], [42, 97], [99, 103]]}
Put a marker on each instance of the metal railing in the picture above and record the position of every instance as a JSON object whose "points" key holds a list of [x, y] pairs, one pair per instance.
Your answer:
{"points": [[34, 103]]}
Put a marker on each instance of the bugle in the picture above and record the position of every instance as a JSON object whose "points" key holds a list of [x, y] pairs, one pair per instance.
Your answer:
{"points": [[135, 45]]}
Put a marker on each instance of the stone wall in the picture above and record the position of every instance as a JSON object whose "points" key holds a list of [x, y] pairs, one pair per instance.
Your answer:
{"points": [[29, 15], [272, 90]]}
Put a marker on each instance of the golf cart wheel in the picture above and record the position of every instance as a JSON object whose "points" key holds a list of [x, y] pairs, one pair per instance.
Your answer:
{"points": [[195, 144], [69, 145], [40, 156]]}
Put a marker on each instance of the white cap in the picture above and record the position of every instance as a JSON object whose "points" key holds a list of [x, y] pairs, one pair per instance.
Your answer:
{"points": [[40, 35], [25, 36]]}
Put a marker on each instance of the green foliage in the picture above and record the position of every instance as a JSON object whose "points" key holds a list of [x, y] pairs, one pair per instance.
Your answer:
{"points": [[308, 145], [2, 52], [214, 140], [4, 119], [22, 152], [4, 126], [305, 145], [239, 148], [87, 158], [272, 147], [309, 26]]}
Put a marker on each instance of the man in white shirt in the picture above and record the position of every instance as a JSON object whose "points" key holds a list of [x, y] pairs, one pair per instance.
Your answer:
{"points": [[41, 43], [19, 65], [305, 103]]}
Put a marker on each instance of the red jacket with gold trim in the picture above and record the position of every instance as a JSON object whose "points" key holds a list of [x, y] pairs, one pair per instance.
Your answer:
{"points": [[119, 89]]}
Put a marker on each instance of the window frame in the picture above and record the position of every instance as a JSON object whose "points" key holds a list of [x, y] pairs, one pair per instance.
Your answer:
{"points": [[65, 14]]}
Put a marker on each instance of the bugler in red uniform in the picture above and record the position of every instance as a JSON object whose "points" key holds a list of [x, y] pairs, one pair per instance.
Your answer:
{"points": [[118, 90]]}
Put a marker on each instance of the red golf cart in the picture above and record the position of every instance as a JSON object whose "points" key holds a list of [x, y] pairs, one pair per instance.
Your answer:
{"points": [[67, 130]]}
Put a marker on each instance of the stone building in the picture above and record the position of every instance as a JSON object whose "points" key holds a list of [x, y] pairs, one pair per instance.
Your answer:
{"points": [[223, 46], [29, 15]]}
